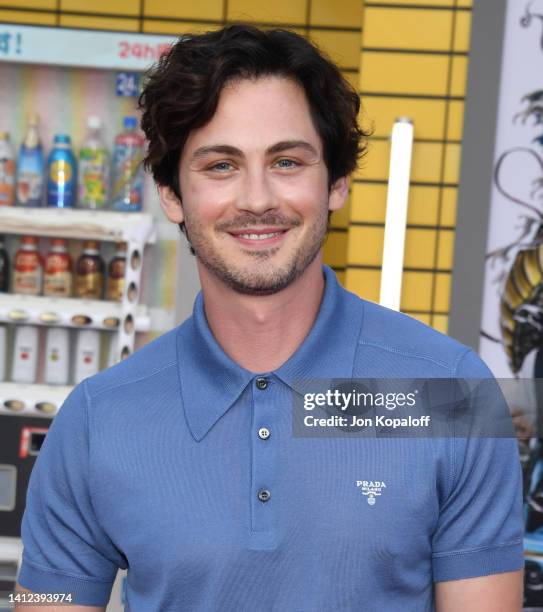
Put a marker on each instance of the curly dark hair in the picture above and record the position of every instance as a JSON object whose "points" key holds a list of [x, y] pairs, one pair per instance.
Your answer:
{"points": [[181, 93]]}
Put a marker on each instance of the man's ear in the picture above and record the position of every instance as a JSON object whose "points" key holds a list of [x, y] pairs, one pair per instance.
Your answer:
{"points": [[338, 193], [171, 205]]}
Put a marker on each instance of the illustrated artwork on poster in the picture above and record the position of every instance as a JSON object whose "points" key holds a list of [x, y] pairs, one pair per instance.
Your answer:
{"points": [[511, 340]]}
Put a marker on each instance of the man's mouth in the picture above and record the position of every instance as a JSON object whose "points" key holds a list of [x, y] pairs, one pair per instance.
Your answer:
{"points": [[264, 236]]}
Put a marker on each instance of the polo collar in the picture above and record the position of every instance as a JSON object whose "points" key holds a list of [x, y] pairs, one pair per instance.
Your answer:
{"points": [[211, 381]]}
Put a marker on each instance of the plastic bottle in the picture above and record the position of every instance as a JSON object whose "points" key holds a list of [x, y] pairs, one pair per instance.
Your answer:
{"points": [[94, 163], [58, 270], [87, 354], [61, 174], [57, 356], [7, 171], [3, 348], [4, 267], [25, 354], [28, 267], [128, 174], [30, 167], [89, 272], [116, 273]]}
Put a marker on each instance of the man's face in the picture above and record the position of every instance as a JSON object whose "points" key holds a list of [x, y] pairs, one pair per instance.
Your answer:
{"points": [[254, 187]]}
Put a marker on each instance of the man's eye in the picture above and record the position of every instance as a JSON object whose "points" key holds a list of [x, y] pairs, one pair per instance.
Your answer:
{"points": [[287, 163], [221, 167]]}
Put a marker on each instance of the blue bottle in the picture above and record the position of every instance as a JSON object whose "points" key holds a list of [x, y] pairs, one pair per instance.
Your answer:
{"points": [[30, 167], [61, 174]]}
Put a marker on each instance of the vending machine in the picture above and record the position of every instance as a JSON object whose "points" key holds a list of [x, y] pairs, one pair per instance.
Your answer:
{"points": [[78, 283]]}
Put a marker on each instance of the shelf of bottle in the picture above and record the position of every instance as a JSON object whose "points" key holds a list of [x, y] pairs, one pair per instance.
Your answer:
{"points": [[78, 224], [18, 399], [68, 312]]}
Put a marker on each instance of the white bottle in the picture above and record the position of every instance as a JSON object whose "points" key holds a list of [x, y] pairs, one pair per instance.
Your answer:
{"points": [[57, 356], [3, 345], [87, 354], [25, 354]]}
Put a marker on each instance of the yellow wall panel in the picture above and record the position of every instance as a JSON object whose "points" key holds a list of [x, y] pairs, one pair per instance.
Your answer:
{"points": [[420, 2], [404, 73], [462, 31], [441, 323], [428, 116], [343, 13], [342, 47], [203, 9], [177, 28], [465, 3], [407, 28], [426, 164], [340, 276], [448, 206], [419, 248], [442, 292], [459, 75], [368, 202], [118, 7], [278, 11], [455, 123], [99, 23], [445, 250], [452, 163], [375, 164], [416, 291], [365, 283], [423, 318], [340, 218], [335, 249], [30, 4], [423, 205], [365, 245], [27, 17]]}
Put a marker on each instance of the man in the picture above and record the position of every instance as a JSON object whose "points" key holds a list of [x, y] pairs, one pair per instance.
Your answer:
{"points": [[180, 463]]}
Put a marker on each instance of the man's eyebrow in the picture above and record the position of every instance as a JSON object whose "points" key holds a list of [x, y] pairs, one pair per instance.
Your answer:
{"points": [[278, 147]]}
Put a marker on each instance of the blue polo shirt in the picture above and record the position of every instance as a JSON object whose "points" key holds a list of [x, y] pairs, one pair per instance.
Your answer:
{"points": [[181, 466]]}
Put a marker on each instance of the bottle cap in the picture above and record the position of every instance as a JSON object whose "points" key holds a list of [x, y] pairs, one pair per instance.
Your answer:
{"points": [[90, 245], [121, 247], [33, 119], [130, 122], [94, 122], [62, 139], [29, 240], [58, 242]]}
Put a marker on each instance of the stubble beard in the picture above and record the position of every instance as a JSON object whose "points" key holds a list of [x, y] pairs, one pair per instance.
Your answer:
{"points": [[263, 277]]}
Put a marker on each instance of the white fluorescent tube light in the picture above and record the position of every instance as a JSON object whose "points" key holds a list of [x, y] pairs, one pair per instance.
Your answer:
{"points": [[396, 213]]}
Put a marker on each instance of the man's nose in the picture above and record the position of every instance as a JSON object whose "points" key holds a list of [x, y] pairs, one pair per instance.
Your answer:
{"points": [[257, 195]]}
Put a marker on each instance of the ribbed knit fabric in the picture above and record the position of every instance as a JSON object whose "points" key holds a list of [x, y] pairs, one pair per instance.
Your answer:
{"points": [[157, 465]]}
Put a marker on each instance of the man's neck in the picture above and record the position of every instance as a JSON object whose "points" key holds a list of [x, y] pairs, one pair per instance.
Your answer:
{"points": [[260, 333]]}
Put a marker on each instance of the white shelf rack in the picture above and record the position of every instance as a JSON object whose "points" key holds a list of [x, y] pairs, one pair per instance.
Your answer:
{"points": [[68, 312], [78, 224], [32, 400]]}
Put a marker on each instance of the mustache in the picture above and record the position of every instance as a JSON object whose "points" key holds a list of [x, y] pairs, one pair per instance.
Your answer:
{"points": [[254, 222]]}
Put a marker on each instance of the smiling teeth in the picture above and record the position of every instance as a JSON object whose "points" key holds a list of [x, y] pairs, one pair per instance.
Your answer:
{"points": [[259, 236]]}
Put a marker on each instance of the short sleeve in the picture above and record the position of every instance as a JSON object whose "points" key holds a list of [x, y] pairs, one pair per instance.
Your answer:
{"points": [[480, 525], [65, 550]]}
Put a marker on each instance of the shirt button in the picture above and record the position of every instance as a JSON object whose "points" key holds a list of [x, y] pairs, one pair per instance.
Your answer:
{"points": [[263, 433], [264, 495], [262, 383]]}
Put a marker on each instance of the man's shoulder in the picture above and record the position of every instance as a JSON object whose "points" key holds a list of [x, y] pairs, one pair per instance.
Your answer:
{"points": [[404, 338], [145, 363]]}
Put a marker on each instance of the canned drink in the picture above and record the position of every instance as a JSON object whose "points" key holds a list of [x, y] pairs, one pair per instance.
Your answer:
{"points": [[28, 272], [89, 272], [58, 270]]}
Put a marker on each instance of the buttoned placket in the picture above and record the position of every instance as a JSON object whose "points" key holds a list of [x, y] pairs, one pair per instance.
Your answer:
{"points": [[265, 420]]}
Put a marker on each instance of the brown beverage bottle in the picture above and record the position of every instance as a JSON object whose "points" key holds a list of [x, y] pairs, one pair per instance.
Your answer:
{"points": [[116, 272], [89, 272]]}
